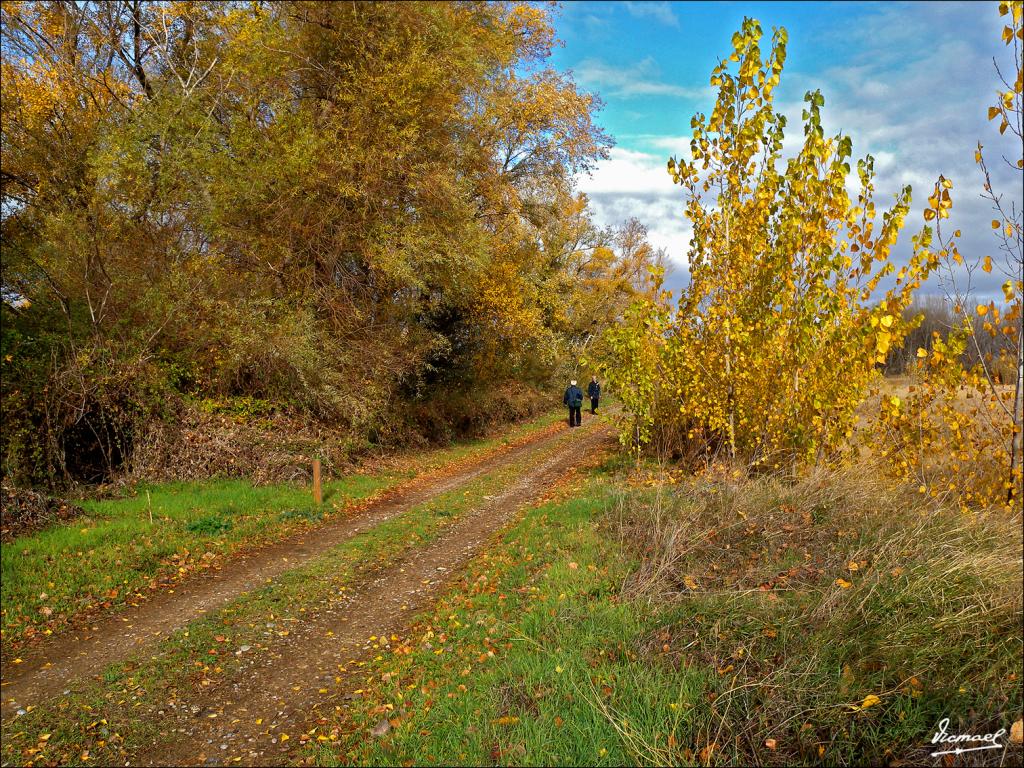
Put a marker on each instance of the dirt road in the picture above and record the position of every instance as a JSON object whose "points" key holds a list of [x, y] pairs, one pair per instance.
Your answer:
{"points": [[55, 664], [285, 687], [284, 690]]}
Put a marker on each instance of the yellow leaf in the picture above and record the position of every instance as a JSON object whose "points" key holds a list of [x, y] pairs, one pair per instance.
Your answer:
{"points": [[986, 264], [995, 224], [869, 701], [841, 582], [982, 309], [922, 352], [1008, 230]]}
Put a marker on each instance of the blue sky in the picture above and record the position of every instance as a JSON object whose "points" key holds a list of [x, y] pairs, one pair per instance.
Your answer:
{"points": [[909, 82]]}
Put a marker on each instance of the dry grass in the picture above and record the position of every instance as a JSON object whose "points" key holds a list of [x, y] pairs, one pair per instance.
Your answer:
{"points": [[808, 597]]}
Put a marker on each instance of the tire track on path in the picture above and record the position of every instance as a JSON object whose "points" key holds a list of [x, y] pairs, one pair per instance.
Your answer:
{"points": [[56, 664], [241, 723]]}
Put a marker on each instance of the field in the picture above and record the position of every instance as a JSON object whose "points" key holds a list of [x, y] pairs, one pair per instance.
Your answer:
{"points": [[612, 615]]}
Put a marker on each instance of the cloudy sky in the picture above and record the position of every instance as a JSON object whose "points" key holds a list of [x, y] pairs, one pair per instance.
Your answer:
{"points": [[910, 83]]}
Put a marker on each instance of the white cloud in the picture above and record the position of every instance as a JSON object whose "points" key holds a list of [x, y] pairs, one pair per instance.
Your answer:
{"points": [[659, 11], [636, 184], [640, 79], [914, 94], [629, 172], [910, 85]]}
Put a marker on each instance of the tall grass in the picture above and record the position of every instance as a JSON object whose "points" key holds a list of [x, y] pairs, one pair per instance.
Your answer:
{"points": [[813, 599]]}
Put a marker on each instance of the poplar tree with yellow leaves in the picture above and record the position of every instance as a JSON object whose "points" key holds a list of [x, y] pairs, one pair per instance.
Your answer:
{"points": [[957, 432], [776, 338]]}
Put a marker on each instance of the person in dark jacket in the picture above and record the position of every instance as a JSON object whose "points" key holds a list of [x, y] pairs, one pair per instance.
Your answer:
{"points": [[594, 392], [573, 398]]}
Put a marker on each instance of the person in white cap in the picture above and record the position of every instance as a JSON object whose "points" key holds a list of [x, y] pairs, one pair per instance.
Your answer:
{"points": [[573, 398]]}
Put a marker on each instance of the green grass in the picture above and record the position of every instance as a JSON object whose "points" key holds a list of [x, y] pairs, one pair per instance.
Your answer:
{"points": [[538, 662], [618, 661], [130, 695], [699, 623], [115, 553]]}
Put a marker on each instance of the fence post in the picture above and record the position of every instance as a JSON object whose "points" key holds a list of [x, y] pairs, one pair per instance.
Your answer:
{"points": [[317, 490]]}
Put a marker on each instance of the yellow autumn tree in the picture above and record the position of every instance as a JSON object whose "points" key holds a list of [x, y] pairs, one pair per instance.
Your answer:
{"points": [[347, 210], [775, 340], [957, 431]]}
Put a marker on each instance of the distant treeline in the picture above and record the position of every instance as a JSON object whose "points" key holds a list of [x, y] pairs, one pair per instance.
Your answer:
{"points": [[359, 213], [937, 317]]}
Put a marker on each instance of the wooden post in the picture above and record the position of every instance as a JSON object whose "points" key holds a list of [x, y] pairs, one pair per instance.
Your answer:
{"points": [[149, 506], [318, 495]]}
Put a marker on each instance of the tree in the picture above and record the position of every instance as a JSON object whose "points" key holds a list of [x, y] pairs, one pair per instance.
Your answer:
{"points": [[786, 271], [958, 432], [339, 208]]}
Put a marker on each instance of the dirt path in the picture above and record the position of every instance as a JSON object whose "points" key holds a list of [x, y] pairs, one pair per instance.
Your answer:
{"points": [[283, 689], [56, 664]]}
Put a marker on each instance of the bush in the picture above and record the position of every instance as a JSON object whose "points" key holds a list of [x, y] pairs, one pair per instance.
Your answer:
{"points": [[23, 511]]}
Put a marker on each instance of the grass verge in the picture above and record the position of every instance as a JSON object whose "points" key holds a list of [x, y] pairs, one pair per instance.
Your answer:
{"points": [[140, 702], [721, 621], [125, 548]]}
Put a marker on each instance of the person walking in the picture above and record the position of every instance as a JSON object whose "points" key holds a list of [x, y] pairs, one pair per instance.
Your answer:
{"points": [[594, 392], [573, 398]]}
